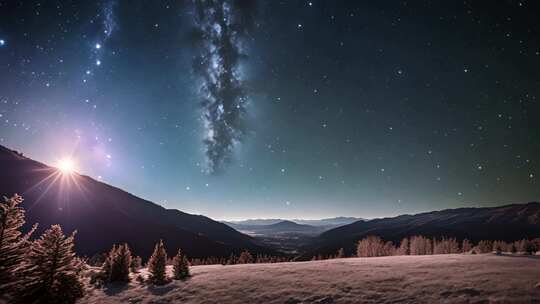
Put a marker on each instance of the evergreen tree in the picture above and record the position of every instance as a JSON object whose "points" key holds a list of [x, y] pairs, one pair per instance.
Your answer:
{"points": [[120, 264], [13, 244], [54, 275], [136, 264], [105, 273], [180, 266], [157, 265]]}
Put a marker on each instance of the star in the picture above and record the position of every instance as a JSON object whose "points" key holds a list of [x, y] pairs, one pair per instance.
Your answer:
{"points": [[98, 62], [98, 46], [2, 42]]}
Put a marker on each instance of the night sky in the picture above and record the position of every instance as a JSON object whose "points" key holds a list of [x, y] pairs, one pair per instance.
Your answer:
{"points": [[280, 108]]}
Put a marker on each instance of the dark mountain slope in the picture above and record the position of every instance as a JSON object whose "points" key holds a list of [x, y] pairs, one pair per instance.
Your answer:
{"points": [[104, 215], [508, 223]]}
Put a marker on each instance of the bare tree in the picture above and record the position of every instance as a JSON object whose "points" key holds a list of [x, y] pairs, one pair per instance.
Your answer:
{"points": [[420, 245], [373, 246], [404, 247], [466, 246], [245, 258]]}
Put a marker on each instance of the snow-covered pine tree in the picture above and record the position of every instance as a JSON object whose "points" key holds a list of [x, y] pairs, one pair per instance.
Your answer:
{"points": [[121, 262], [53, 275], [13, 244], [180, 266], [157, 264], [105, 272]]}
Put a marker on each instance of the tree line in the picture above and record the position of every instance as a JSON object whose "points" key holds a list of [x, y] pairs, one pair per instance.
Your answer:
{"points": [[374, 246]]}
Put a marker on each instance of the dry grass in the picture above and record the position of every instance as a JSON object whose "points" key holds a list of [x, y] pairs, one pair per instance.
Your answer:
{"points": [[399, 279]]}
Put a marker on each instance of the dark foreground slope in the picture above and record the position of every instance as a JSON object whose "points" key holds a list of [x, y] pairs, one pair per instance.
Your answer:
{"points": [[104, 215], [507, 223]]}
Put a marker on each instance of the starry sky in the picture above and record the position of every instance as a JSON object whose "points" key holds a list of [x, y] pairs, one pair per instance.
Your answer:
{"points": [[291, 109]]}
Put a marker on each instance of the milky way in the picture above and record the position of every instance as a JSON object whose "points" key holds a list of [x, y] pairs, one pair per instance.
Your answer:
{"points": [[109, 26], [221, 25]]}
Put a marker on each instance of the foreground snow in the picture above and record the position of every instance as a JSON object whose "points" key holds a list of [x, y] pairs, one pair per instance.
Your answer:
{"points": [[401, 279]]}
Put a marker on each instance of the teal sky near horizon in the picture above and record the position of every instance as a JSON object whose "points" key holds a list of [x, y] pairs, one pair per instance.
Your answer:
{"points": [[348, 108]]}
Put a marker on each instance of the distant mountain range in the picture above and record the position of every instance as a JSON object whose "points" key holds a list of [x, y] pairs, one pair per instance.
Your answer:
{"points": [[278, 229], [104, 215], [507, 223], [334, 221]]}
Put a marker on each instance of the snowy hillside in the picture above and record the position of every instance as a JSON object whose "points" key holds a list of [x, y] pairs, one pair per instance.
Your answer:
{"points": [[410, 279]]}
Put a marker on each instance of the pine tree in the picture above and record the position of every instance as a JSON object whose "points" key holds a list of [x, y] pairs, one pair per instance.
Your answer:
{"points": [[105, 273], [157, 265], [54, 270], [13, 244], [180, 266], [136, 264], [120, 265]]}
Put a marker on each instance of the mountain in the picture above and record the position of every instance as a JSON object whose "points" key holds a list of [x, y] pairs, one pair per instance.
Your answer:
{"points": [[254, 222], [328, 222], [334, 221], [284, 236], [279, 228], [104, 215], [507, 223]]}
